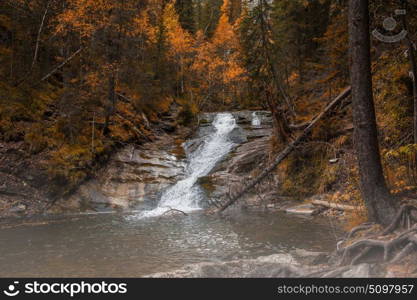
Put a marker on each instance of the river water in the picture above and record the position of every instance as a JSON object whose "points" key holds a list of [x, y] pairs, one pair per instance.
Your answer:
{"points": [[147, 241], [118, 245]]}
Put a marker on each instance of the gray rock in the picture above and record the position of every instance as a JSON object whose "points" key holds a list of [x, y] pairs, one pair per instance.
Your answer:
{"points": [[305, 209], [238, 136], [358, 271], [274, 266], [309, 257], [18, 208]]}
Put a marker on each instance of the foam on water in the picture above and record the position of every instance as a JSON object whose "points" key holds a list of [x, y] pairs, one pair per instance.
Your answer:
{"points": [[256, 121], [185, 195]]}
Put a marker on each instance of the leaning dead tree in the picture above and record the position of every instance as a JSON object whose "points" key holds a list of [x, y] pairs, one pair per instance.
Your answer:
{"points": [[232, 198]]}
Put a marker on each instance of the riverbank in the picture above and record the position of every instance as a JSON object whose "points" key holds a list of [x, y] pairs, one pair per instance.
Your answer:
{"points": [[33, 182]]}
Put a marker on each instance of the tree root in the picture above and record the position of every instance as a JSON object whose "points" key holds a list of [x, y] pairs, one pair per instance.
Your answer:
{"points": [[359, 228], [404, 243], [327, 273], [404, 252], [403, 218], [354, 253]]}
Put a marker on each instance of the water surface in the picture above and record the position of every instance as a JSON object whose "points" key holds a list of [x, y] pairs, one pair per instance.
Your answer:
{"points": [[119, 245]]}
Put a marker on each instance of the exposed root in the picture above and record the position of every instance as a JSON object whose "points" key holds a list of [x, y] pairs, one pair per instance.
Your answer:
{"points": [[411, 247], [328, 272], [404, 243], [404, 217], [354, 253], [362, 254], [359, 228]]}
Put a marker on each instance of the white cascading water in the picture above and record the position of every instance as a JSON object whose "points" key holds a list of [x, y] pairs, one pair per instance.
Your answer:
{"points": [[185, 194], [256, 121]]}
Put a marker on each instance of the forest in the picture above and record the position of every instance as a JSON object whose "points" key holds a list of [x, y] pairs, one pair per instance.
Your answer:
{"points": [[82, 79]]}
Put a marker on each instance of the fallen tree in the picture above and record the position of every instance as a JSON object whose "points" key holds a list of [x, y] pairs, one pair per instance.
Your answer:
{"points": [[232, 198], [343, 207]]}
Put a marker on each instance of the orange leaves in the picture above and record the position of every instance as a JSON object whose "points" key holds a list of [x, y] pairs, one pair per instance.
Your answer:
{"points": [[180, 41], [88, 16], [217, 66], [143, 28]]}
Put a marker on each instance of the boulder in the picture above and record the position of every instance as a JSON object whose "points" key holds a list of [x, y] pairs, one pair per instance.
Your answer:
{"points": [[21, 208]]}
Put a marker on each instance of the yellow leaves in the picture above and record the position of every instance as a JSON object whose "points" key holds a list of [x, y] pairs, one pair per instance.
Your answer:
{"points": [[5, 22], [403, 151], [217, 66], [93, 79], [180, 41], [143, 27], [400, 167], [225, 7], [341, 141], [89, 16], [224, 36], [234, 72], [68, 162]]}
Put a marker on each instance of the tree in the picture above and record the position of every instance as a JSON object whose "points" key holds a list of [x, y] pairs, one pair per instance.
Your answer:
{"points": [[179, 43], [413, 65], [373, 187], [185, 11], [209, 16], [235, 10], [261, 62], [296, 25], [217, 69]]}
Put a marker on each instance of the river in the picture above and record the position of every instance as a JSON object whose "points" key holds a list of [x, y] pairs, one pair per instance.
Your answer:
{"points": [[120, 245]]}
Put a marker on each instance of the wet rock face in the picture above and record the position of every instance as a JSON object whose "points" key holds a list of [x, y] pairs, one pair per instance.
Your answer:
{"points": [[250, 155], [132, 176]]}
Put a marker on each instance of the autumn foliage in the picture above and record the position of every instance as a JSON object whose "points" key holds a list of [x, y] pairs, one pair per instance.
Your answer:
{"points": [[81, 77]]}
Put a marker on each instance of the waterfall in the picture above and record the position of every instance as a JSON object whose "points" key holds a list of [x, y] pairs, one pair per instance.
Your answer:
{"points": [[185, 195], [256, 121]]}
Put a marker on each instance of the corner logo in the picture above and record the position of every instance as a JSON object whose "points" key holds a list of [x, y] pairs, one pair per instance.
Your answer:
{"points": [[11, 291], [390, 24]]}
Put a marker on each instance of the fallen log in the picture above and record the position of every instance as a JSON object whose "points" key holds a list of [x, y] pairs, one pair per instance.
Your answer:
{"points": [[336, 206], [233, 198]]}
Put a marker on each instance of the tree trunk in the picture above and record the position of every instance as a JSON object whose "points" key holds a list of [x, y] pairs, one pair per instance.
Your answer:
{"points": [[414, 70], [372, 182], [413, 64], [281, 127]]}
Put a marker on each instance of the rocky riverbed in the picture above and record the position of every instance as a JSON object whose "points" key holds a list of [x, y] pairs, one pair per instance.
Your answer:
{"points": [[299, 263]]}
